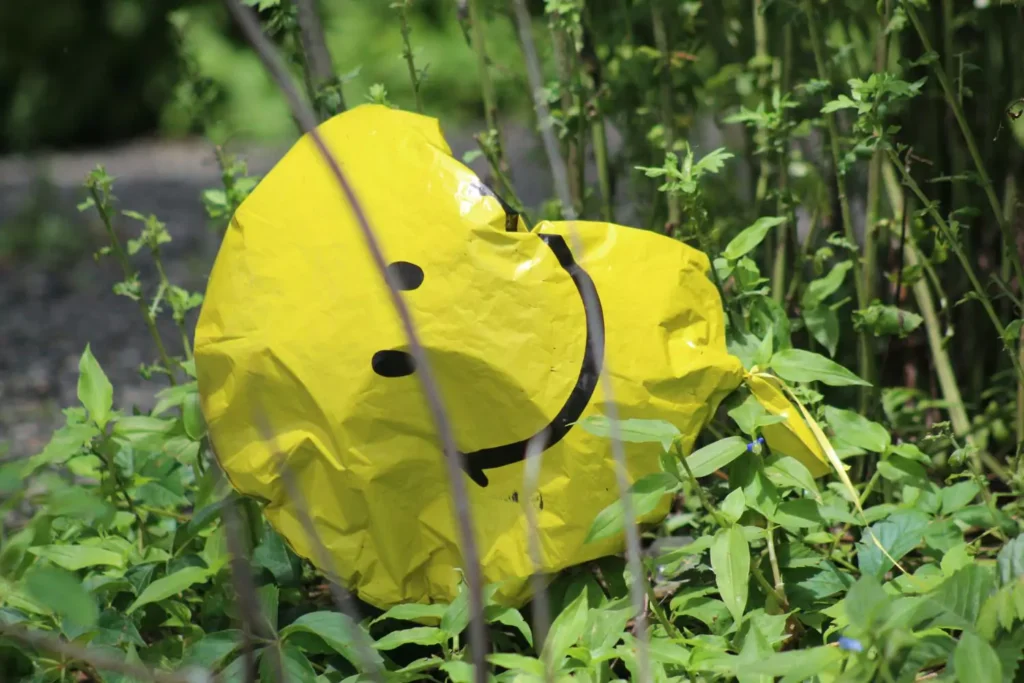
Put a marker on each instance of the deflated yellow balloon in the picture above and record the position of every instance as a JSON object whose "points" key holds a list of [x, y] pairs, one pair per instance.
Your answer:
{"points": [[298, 326]]}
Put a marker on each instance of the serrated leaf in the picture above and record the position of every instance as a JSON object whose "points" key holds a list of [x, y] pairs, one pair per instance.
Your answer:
{"points": [[1011, 561], [976, 661]]}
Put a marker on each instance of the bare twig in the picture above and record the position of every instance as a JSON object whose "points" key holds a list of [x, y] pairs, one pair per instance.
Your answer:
{"points": [[251, 616], [596, 335], [453, 458], [541, 617], [102, 662], [342, 598], [314, 46]]}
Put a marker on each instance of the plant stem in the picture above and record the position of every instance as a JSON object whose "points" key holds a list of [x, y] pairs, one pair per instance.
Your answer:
{"points": [[865, 354], [926, 305], [165, 284], [954, 244], [403, 17], [131, 274], [779, 267], [498, 162], [874, 198], [1009, 245], [667, 117], [319, 67], [699, 489]]}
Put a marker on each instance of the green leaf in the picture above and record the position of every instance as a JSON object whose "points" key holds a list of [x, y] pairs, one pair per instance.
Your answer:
{"points": [[797, 365], [1011, 561], [645, 494], [95, 391], [958, 496], [212, 649], [75, 557], [823, 324], [456, 617], [899, 534], [822, 288], [192, 417], [421, 635], [567, 628], [730, 560], [339, 633], [170, 585], [857, 430], [296, 667], [143, 431], [515, 662], [272, 555], [866, 603], [734, 505], [510, 617], [751, 236], [63, 593], [412, 612], [632, 430], [796, 665], [976, 661], [716, 455], [963, 594], [751, 416], [886, 320]]}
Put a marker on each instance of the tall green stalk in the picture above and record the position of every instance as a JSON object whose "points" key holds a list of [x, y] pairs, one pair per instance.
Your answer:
{"points": [[874, 198], [961, 255], [496, 156], [665, 95], [782, 248], [865, 353], [403, 17], [1009, 243], [926, 305]]}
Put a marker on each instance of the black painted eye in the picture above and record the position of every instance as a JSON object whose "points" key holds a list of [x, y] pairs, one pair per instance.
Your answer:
{"points": [[393, 363], [406, 276]]}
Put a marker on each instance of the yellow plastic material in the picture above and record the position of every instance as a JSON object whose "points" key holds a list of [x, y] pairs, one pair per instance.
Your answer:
{"points": [[298, 324]]}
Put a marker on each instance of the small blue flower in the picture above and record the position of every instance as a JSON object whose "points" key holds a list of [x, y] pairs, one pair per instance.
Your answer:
{"points": [[850, 644], [755, 444]]}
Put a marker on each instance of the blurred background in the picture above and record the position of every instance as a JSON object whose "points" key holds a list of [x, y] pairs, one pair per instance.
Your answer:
{"points": [[115, 82], [151, 89]]}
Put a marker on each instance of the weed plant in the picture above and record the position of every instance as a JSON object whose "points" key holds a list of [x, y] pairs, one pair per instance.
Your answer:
{"points": [[864, 222]]}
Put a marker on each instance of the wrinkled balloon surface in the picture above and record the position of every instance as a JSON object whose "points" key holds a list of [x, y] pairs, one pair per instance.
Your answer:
{"points": [[298, 327]]}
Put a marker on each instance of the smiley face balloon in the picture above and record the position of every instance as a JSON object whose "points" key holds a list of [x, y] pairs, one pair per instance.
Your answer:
{"points": [[298, 324]]}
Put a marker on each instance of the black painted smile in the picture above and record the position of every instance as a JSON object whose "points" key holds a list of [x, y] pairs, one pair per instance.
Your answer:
{"points": [[399, 363]]}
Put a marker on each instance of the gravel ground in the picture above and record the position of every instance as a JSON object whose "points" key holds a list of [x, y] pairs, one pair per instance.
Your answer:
{"points": [[47, 316]]}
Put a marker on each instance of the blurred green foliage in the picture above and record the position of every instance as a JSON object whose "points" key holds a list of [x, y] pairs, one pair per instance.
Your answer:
{"points": [[91, 73]]}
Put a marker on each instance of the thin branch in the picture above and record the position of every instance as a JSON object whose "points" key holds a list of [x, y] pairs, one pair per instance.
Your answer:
{"points": [[541, 617], [596, 334], [102, 662], [254, 625], [318, 59], [342, 598], [453, 457]]}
